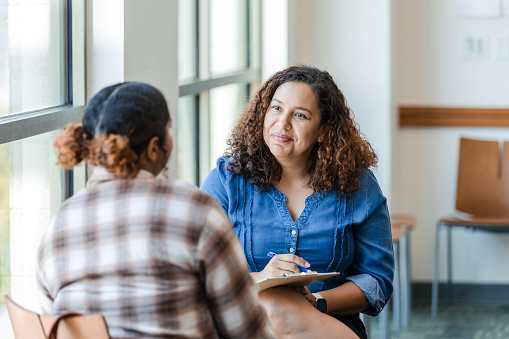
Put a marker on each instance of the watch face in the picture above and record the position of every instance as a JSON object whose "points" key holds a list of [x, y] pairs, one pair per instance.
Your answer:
{"points": [[321, 305]]}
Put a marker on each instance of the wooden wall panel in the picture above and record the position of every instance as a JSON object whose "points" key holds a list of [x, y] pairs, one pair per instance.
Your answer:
{"points": [[424, 116]]}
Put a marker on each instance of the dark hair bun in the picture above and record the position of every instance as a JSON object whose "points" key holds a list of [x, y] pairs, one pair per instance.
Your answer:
{"points": [[118, 124]]}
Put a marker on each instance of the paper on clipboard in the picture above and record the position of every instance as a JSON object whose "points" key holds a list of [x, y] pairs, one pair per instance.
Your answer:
{"points": [[294, 280]]}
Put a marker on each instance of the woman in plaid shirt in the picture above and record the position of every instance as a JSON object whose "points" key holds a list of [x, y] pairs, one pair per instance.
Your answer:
{"points": [[156, 258]]}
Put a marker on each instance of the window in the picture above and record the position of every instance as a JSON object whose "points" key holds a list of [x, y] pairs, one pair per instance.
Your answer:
{"points": [[219, 68], [41, 90]]}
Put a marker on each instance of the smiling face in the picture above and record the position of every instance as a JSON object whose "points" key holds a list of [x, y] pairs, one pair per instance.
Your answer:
{"points": [[292, 123]]}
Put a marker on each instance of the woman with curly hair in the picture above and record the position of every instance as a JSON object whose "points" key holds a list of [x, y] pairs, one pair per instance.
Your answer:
{"points": [[296, 180], [157, 259]]}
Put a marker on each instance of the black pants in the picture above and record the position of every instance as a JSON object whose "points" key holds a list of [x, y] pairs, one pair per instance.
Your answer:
{"points": [[354, 323]]}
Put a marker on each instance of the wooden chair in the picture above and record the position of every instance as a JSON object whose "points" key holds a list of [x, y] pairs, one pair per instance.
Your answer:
{"points": [[397, 235], [30, 325], [402, 225], [482, 192]]}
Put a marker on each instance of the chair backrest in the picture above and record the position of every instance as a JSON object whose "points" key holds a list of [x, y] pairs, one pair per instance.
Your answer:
{"points": [[30, 325], [405, 221], [483, 179]]}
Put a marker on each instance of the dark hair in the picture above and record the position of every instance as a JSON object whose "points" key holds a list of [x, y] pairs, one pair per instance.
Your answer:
{"points": [[118, 124], [344, 153]]}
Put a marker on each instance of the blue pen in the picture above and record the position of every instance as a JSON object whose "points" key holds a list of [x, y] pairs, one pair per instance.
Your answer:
{"points": [[302, 269]]}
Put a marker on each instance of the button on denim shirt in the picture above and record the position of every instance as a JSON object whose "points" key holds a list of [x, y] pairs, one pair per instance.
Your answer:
{"points": [[350, 234]]}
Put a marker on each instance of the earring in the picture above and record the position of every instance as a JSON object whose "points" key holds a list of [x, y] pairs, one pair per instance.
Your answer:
{"points": [[319, 151]]}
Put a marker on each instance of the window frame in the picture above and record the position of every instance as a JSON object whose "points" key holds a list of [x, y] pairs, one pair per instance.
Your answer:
{"points": [[200, 86], [30, 123]]}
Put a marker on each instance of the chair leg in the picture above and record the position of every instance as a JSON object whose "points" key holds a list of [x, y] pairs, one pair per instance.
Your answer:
{"points": [[405, 279], [449, 264], [384, 323], [434, 287], [396, 294], [366, 320]]}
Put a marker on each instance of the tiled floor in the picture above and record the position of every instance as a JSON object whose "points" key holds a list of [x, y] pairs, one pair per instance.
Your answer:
{"points": [[457, 321]]}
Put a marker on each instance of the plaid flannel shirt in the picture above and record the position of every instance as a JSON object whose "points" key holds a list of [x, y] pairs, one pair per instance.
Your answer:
{"points": [[156, 258]]}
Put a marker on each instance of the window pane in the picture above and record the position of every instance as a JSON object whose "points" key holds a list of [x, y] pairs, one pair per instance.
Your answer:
{"points": [[187, 43], [226, 104], [32, 55], [228, 35], [5, 267], [253, 87], [30, 182], [187, 140]]}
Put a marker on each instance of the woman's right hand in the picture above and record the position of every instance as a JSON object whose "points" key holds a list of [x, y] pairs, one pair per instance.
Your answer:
{"points": [[279, 265]]}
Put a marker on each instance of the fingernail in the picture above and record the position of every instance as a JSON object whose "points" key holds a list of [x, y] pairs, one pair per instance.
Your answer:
{"points": [[307, 264]]}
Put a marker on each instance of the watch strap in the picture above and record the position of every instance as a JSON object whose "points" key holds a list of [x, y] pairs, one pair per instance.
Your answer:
{"points": [[321, 303]]}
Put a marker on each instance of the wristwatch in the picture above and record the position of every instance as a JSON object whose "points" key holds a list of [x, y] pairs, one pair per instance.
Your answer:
{"points": [[321, 303]]}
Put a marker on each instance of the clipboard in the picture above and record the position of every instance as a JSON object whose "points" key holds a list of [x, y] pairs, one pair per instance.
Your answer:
{"points": [[302, 279]]}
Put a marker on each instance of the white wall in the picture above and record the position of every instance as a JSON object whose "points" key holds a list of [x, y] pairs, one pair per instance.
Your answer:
{"points": [[430, 70], [274, 52], [393, 52], [351, 39], [131, 40]]}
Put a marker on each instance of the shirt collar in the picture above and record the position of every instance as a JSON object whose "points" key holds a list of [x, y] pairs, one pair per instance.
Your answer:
{"points": [[101, 175]]}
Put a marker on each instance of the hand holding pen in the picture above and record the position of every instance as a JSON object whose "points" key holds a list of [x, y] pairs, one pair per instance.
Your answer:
{"points": [[280, 264], [288, 262]]}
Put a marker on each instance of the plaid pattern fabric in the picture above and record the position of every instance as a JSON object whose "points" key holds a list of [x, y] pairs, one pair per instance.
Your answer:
{"points": [[156, 258]]}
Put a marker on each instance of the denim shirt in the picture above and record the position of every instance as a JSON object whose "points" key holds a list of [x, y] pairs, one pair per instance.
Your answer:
{"points": [[346, 234]]}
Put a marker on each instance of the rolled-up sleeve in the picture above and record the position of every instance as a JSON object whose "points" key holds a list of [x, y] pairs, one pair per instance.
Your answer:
{"points": [[373, 267]]}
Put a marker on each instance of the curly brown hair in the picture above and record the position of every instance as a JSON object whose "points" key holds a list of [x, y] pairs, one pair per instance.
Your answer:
{"points": [[344, 153], [72, 146], [118, 124]]}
